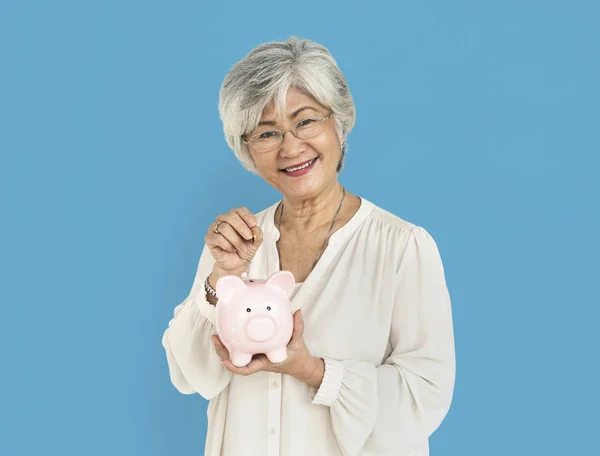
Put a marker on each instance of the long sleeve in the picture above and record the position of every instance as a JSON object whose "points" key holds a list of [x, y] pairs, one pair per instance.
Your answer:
{"points": [[194, 365], [392, 408]]}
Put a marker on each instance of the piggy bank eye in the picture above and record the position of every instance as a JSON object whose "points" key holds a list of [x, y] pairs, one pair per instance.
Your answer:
{"points": [[268, 307], [248, 309]]}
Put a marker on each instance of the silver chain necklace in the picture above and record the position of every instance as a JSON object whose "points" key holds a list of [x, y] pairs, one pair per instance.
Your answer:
{"points": [[326, 237]]}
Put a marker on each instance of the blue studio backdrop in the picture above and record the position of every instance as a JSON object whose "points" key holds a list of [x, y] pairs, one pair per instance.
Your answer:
{"points": [[476, 120]]}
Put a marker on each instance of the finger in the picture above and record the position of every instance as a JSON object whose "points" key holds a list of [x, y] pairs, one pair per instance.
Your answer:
{"points": [[252, 367], [242, 247], [246, 215], [218, 240], [237, 222], [221, 350], [258, 363], [218, 347], [258, 235]]}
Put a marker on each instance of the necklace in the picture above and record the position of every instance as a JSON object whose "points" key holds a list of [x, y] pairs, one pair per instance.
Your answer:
{"points": [[326, 236]]}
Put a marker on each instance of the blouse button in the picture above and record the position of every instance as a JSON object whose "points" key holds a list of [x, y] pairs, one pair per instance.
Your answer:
{"points": [[272, 431], [274, 385]]}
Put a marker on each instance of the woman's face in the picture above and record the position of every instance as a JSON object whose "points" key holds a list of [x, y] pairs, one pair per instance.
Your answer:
{"points": [[293, 152]]}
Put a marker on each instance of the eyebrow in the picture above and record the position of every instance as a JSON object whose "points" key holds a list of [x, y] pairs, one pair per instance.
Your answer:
{"points": [[294, 114]]}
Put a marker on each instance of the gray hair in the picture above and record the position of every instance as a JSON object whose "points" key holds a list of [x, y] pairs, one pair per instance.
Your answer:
{"points": [[266, 74]]}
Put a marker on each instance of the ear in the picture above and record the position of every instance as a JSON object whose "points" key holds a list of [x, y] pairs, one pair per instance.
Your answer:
{"points": [[228, 285], [284, 280]]}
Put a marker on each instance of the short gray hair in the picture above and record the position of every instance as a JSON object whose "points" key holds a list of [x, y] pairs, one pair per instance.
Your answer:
{"points": [[266, 74]]}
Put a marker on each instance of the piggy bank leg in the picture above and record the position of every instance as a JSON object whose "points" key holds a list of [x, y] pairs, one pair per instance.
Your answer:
{"points": [[240, 359], [277, 356]]}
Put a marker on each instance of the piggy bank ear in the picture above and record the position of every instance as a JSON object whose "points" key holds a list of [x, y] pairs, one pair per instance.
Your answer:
{"points": [[283, 280], [228, 285]]}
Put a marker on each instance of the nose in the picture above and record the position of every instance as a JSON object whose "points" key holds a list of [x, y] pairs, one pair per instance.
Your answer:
{"points": [[291, 146], [260, 329]]}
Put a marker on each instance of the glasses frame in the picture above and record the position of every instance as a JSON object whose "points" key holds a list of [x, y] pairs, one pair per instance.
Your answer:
{"points": [[282, 133]]}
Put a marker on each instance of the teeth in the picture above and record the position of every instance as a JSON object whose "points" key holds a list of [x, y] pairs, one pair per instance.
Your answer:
{"points": [[289, 170]]}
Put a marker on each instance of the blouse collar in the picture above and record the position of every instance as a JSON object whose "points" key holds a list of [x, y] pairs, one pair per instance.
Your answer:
{"points": [[351, 225]]}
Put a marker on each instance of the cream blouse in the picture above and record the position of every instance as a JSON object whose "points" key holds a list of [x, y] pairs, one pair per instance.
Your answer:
{"points": [[376, 308]]}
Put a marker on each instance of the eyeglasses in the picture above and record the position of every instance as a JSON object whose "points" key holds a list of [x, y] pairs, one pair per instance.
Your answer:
{"points": [[304, 129]]}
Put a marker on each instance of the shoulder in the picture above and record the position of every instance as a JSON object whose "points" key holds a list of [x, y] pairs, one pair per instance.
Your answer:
{"points": [[383, 222], [408, 244]]}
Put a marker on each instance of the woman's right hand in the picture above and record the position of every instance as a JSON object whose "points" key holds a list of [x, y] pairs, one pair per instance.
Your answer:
{"points": [[234, 246]]}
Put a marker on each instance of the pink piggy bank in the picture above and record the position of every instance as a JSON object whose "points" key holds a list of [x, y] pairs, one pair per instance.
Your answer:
{"points": [[255, 316]]}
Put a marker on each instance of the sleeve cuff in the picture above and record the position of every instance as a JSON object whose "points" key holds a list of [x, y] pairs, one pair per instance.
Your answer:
{"points": [[331, 384], [205, 307]]}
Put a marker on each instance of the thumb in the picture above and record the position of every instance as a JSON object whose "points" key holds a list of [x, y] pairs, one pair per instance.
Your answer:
{"points": [[298, 325], [258, 235]]}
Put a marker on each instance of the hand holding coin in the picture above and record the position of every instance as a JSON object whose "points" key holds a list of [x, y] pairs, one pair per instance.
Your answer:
{"points": [[233, 240]]}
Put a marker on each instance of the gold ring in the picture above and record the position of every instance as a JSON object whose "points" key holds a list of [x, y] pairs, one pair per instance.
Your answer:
{"points": [[216, 228]]}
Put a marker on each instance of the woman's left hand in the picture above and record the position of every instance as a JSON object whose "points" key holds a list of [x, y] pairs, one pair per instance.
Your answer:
{"points": [[299, 362]]}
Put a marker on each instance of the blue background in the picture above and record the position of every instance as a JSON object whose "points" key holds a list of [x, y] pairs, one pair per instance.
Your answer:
{"points": [[477, 120]]}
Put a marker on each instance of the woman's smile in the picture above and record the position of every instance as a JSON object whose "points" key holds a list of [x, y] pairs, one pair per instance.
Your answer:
{"points": [[300, 169]]}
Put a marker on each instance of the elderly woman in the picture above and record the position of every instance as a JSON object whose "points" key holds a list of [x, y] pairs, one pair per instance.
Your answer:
{"points": [[371, 366]]}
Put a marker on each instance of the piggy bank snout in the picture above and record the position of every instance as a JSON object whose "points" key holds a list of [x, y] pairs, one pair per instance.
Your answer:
{"points": [[260, 329]]}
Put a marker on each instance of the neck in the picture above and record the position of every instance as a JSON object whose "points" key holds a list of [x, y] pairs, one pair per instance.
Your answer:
{"points": [[308, 215]]}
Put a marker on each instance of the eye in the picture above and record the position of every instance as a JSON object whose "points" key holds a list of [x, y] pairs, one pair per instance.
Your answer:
{"points": [[305, 122], [268, 307], [248, 309], [267, 134]]}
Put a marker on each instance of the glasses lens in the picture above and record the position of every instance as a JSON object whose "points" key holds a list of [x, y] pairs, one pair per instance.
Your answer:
{"points": [[309, 128], [266, 141], [305, 129]]}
